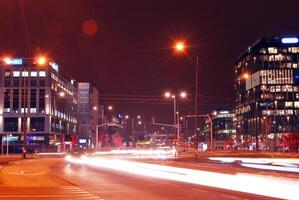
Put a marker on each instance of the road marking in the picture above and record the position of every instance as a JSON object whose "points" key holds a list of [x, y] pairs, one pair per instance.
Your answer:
{"points": [[46, 192]]}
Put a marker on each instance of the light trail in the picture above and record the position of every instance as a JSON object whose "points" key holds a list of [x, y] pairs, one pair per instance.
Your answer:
{"points": [[257, 160], [51, 153], [271, 167], [255, 184], [142, 153], [275, 164]]}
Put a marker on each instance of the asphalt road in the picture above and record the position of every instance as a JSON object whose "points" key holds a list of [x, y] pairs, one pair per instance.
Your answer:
{"points": [[56, 179], [110, 184]]}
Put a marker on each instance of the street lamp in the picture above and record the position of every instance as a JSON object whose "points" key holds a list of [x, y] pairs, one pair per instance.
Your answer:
{"points": [[167, 94], [175, 121], [180, 47], [103, 119], [183, 94]]}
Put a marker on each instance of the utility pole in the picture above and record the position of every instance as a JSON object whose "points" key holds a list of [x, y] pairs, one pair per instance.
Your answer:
{"points": [[196, 105], [24, 148]]}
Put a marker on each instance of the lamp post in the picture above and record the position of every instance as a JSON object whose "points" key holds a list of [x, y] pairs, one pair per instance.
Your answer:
{"points": [[180, 47], [103, 124], [24, 148], [176, 122]]}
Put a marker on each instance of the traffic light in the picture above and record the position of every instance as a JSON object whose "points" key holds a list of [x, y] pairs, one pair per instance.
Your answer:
{"points": [[182, 128]]}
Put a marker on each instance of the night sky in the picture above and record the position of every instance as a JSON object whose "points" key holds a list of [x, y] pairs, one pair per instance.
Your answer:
{"points": [[124, 46]]}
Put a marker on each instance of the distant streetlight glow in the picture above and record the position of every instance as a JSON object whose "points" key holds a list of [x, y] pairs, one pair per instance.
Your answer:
{"points": [[183, 94], [7, 60], [61, 94], [41, 60], [167, 94], [138, 117], [95, 108], [245, 75], [139, 122], [126, 116], [110, 108]]}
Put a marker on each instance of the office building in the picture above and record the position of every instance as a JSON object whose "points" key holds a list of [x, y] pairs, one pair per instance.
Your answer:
{"points": [[38, 99], [267, 98], [223, 128], [88, 114]]}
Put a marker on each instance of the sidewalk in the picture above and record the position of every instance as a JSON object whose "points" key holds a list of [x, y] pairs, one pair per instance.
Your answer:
{"points": [[250, 154]]}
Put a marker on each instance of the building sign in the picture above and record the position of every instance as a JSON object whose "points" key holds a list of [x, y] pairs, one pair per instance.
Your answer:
{"points": [[290, 40], [15, 61], [82, 141]]}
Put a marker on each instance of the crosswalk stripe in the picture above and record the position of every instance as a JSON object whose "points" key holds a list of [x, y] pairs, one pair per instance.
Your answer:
{"points": [[46, 192]]}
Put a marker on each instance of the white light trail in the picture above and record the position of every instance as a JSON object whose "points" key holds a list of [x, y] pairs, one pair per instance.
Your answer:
{"points": [[257, 160], [255, 184], [271, 167], [51, 153], [142, 153]]}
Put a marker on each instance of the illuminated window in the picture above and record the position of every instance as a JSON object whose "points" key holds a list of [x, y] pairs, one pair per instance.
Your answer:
{"points": [[289, 112], [289, 65], [22, 110], [42, 74], [271, 58], [279, 57], [263, 87], [32, 110], [25, 74], [272, 50], [296, 104], [33, 74], [7, 74], [272, 88], [293, 49], [263, 51], [287, 88], [281, 76], [280, 112], [289, 104], [278, 89], [16, 74]]}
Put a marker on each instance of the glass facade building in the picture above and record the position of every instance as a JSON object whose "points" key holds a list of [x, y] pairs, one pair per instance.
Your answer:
{"points": [[266, 94], [88, 114], [223, 128], [48, 96]]}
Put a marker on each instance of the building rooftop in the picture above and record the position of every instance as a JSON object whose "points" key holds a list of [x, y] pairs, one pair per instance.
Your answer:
{"points": [[282, 41]]}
